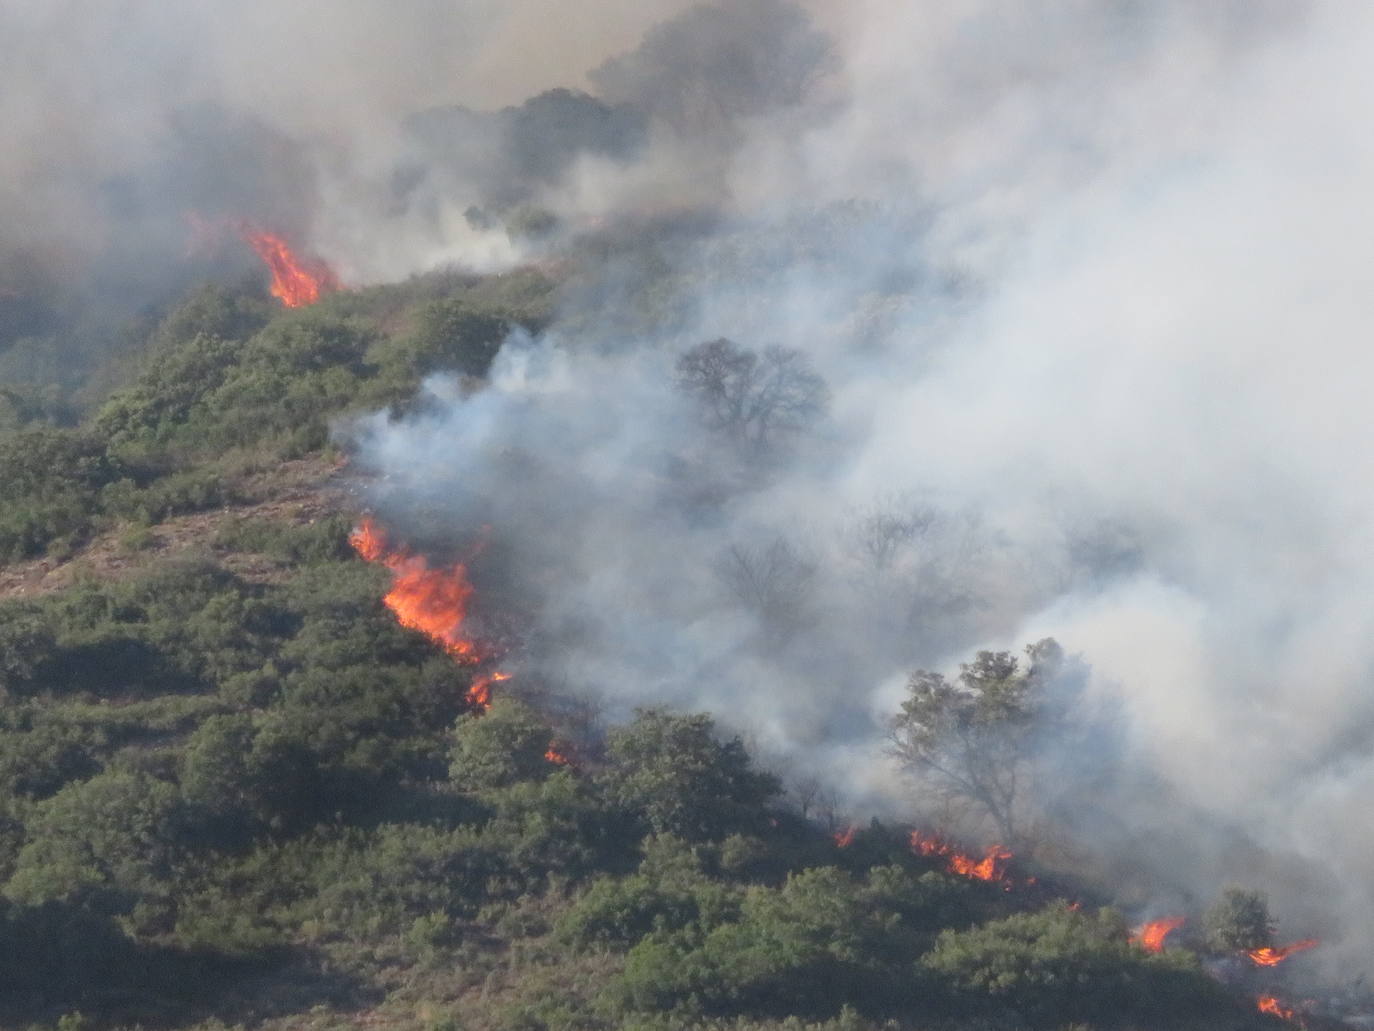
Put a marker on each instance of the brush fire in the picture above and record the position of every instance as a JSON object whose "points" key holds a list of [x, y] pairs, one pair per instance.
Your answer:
{"points": [[1272, 957], [296, 281], [1150, 936], [991, 867], [433, 601], [1271, 1005]]}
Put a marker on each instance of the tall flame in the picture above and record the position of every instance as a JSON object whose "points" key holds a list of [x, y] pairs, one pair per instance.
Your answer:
{"points": [[988, 868], [296, 281], [432, 601], [1151, 936], [1272, 957]]}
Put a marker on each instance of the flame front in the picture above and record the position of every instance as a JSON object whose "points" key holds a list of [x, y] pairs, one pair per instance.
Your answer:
{"points": [[432, 601], [989, 868], [1267, 957], [296, 281], [1151, 936]]}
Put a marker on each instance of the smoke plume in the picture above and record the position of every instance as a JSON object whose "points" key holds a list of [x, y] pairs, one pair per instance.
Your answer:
{"points": [[1084, 282]]}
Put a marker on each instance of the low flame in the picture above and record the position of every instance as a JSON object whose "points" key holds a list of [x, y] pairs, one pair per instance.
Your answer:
{"points": [[1151, 936], [989, 868], [556, 757], [296, 281], [432, 601], [845, 838], [1267, 957], [1271, 1005]]}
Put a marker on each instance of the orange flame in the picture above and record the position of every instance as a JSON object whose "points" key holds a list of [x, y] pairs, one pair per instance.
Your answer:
{"points": [[432, 601], [845, 838], [1151, 936], [989, 868], [296, 281], [1271, 1005], [553, 755], [1267, 957]]}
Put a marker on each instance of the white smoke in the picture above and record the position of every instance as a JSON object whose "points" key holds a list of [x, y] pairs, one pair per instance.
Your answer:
{"points": [[1088, 283]]}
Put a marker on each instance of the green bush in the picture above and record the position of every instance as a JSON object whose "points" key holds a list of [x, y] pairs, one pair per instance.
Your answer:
{"points": [[1058, 966], [104, 843], [498, 748], [675, 777]]}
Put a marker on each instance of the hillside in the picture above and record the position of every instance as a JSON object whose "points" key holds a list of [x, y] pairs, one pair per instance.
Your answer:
{"points": [[235, 792]]}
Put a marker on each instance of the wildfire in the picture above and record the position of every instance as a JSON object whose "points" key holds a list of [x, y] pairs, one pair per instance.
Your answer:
{"points": [[1271, 1005], [296, 281], [1151, 936], [845, 838], [432, 601], [553, 755], [1272, 957], [989, 868]]}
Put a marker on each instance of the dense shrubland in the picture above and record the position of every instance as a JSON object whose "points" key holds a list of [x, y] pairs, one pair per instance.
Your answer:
{"points": [[227, 798]]}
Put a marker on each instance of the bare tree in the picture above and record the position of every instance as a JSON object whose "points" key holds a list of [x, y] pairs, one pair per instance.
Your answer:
{"points": [[772, 581], [757, 399], [879, 534]]}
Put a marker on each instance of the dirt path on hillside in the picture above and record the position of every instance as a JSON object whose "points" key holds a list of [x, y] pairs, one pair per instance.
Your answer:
{"points": [[299, 492]]}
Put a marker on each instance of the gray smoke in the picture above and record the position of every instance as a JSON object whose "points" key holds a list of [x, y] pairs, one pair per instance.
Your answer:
{"points": [[1080, 283], [1086, 282]]}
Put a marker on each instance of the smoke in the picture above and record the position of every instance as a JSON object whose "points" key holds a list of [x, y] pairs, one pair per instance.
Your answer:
{"points": [[1086, 281]]}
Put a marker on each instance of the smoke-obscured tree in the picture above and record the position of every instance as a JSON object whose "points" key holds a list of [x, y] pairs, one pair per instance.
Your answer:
{"points": [[676, 777], [1239, 921], [758, 399], [982, 741], [881, 533], [772, 581]]}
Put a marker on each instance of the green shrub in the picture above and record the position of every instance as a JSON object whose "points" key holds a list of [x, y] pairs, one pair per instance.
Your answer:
{"points": [[675, 777], [1058, 966]]}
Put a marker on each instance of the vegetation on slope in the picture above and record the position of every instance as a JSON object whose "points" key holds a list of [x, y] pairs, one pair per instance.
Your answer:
{"points": [[237, 792]]}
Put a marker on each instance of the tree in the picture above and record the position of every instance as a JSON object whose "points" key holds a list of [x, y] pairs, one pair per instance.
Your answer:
{"points": [[980, 740], [772, 581], [498, 748], [1239, 921], [758, 400], [104, 843], [672, 773]]}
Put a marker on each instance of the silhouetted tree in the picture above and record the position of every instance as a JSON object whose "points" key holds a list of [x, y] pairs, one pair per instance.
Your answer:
{"points": [[759, 400]]}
